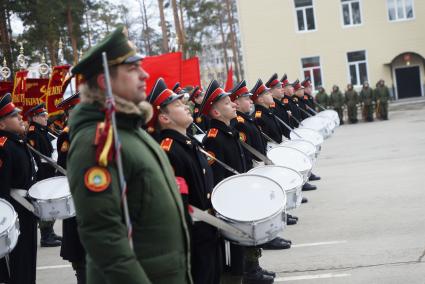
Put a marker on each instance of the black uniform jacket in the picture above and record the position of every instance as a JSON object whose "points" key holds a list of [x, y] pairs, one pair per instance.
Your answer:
{"points": [[268, 123], [291, 104], [17, 171], [71, 249], [279, 109], [199, 119], [302, 105], [222, 142], [39, 138], [250, 133]]}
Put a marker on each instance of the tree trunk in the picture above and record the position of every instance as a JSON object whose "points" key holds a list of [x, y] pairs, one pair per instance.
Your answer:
{"points": [[51, 47], [182, 25], [147, 35], [4, 37], [223, 40], [177, 24], [165, 48], [233, 39], [70, 25]]}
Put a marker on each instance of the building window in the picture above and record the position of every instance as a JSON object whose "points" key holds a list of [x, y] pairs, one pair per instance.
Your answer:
{"points": [[399, 10], [351, 12], [357, 67], [305, 15], [311, 68]]}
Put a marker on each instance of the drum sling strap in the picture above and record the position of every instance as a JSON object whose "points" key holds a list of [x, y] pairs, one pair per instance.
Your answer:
{"points": [[19, 196], [48, 160]]}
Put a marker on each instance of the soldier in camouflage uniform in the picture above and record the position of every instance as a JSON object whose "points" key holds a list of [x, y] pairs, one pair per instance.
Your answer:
{"points": [[322, 98], [336, 101], [382, 96], [367, 99], [351, 99]]}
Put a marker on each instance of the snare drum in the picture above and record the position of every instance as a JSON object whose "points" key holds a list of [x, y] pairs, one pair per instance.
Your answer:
{"points": [[331, 114], [308, 134], [52, 199], [304, 146], [290, 180], [9, 228], [291, 158], [320, 124], [254, 204]]}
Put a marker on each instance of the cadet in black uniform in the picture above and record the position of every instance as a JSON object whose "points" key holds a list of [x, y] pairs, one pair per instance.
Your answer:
{"points": [[38, 137], [278, 107], [189, 163], [71, 248], [308, 98], [263, 115], [290, 105], [17, 170], [199, 119], [250, 133], [222, 141], [298, 97]]}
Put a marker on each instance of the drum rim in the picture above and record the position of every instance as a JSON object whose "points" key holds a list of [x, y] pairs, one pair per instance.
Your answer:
{"points": [[282, 208], [43, 181], [308, 158], [302, 140], [278, 166], [311, 130], [14, 217]]}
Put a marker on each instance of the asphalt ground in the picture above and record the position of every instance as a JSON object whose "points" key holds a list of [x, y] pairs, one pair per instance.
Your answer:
{"points": [[364, 224]]}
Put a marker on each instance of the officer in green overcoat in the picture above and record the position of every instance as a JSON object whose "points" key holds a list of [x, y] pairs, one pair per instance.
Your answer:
{"points": [[161, 252], [382, 96], [366, 99], [336, 101], [322, 98], [351, 100]]}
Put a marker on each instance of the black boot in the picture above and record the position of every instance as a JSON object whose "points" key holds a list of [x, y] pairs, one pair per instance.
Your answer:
{"points": [[47, 239], [304, 200], [292, 216], [290, 221], [80, 273], [277, 243], [307, 187], [313, 177], [254, 274]]}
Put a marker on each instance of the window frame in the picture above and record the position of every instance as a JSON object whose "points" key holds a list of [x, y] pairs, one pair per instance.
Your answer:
{"points": [[349, 2], [357, 67], [305, 17], [310, 69], [395, 7]]}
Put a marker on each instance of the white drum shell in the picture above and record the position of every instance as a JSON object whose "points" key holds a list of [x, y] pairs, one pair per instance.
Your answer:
{"points": [[52, 199], [199, 137], [293, 159], [261, 230], [304, 146], [333, 115], [308, 134], [9, 228], [289, 179], [320, 124]]}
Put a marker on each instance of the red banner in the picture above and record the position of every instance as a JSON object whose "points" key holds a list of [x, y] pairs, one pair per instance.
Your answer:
{"points": [[54, 90], [19, 88], [35, 93], [167, 66], [229, 81], [5, 87], [191, 74]]}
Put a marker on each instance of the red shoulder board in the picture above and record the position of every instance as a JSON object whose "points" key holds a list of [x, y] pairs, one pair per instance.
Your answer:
{"points": [[66, 129], [212, 133], [305, 98], [240, 119], [258, 114], [32, 128], [3, 140], [196, 110], [166, 144], [273, 105], [285, 101], [242, 136]]}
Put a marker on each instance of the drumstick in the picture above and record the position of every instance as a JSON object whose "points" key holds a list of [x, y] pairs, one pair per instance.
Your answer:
{"points": [[227, 167], [256, 153], [197, 127], [315, 112], [287, 126], [48, 160], [293, 117]]}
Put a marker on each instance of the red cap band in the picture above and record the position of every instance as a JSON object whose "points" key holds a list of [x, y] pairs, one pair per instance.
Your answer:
{"points": [[7, 109], [211, 99]]}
